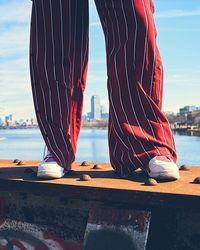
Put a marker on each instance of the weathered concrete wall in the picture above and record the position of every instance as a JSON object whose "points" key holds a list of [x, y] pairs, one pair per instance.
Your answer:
{"points": [[33, 221]]}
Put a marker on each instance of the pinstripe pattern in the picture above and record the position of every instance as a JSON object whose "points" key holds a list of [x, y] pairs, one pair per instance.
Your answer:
{"points": [[134, 90], [138, 130], [55, 49]]}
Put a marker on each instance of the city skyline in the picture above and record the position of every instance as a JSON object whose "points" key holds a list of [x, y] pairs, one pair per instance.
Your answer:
{"points": [[102, 112], [178, 37], [188, 118]]}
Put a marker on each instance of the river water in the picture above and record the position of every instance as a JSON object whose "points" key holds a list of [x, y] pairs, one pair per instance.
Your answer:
{"points": [[27, 144]]}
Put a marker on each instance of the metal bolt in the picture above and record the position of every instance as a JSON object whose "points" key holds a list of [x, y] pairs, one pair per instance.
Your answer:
{"points": [[184, 168], [16, 160], [21, 163], [84, 163], [197, 180], [97, 166]]}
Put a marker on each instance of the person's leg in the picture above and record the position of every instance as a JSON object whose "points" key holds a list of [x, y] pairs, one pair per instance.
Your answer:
{"points": [[58, 64], [138, 129]]}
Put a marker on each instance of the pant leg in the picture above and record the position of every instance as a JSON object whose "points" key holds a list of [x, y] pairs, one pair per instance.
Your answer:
{"points": [[138, 129], [58, 65]]}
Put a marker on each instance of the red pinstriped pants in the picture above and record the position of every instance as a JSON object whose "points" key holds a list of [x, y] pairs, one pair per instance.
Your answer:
{"points": [[138, 130]]}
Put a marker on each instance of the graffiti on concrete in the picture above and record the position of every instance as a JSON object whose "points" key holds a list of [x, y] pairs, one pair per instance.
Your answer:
{"points": [[26, 236], [18, 235]]}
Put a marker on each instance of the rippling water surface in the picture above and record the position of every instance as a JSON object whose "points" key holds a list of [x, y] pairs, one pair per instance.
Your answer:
{"points": [[92, 146]]}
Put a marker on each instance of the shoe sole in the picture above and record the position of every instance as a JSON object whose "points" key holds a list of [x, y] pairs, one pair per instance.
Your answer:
{"points": [[165, 175], [49, 171], [49, 175]]}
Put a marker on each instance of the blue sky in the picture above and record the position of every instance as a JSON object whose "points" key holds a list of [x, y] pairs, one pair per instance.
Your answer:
{"points": [[178, 26]]}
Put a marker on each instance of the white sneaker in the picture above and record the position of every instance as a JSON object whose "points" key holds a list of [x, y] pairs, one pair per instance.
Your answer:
{"points": [[49, 168], [162, 168]]}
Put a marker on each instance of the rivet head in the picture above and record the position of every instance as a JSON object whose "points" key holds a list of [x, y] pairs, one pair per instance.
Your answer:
{"points": [[150, 182], [16, 160], [97, 166], [85, 177], [84, 163], [184, 168], [21, 163], [197, 180]]}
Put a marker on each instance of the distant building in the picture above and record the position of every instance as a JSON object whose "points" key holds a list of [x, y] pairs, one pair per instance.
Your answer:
{"points": [[187, 110], [84, 118], [95, 108], [187, 114], [104, 116], [102, 109], [8, 120], [1, 122]]}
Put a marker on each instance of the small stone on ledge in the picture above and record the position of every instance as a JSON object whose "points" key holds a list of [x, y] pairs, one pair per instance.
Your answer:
{"points": [[85, 177], [150, 182]]}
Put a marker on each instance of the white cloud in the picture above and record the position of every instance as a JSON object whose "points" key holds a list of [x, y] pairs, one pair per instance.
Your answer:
{"points": [[98, 61], [22, 110], [15, 11], [177, 13], [184, 79], [100, 77], [95, 24], [14, 77], [15, 84], [14, 64], [15, 41], [182, 88], [15, 87], [160, 14]]}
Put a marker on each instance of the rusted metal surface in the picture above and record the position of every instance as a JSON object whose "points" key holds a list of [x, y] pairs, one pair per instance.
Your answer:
{"points": [[106, 186]]}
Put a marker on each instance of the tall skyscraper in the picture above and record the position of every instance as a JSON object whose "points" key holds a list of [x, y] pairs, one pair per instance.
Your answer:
{"points": [[8, 120], [95, 107]]}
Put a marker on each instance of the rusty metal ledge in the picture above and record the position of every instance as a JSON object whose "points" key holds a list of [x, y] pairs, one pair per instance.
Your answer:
{"points": [[58, 211], [105, 186]]}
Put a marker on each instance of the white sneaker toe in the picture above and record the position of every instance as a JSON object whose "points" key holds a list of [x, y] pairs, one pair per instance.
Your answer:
{"points": [[50, 170], [163, 169]]}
